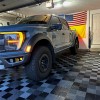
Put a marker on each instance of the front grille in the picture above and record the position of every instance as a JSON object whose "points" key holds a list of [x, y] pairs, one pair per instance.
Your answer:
{"points": [[2, 43]]}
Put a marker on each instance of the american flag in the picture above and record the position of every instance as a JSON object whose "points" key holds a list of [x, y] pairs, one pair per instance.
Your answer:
{"points": [[77, 18]]}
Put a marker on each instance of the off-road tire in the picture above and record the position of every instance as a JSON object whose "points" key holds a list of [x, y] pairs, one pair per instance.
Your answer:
{"points": [[34, 68]]}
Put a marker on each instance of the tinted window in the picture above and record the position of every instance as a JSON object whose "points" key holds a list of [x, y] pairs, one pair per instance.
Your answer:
{"points": [[65, 24], [54, 20], [37, 19]]}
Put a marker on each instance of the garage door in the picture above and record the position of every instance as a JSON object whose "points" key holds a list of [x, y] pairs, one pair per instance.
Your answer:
{"points": [[95, 29]]}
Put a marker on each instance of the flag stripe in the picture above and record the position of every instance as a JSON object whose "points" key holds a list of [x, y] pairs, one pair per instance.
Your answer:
{"points": [[78, 19]]}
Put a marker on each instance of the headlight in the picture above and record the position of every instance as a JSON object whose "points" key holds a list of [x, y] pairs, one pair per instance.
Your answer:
{"points": [[13, 40]]}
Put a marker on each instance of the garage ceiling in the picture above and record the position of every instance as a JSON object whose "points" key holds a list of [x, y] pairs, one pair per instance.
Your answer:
{"points": [[6, 5], [71, 7]]}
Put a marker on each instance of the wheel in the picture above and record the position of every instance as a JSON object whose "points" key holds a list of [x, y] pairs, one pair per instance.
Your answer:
{"points": [[74, 49], [40, 64]]}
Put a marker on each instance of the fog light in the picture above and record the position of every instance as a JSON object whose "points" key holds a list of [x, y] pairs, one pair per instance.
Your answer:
{"points": [[16, 59], [11, 60], [21, 59], [28, 48]]}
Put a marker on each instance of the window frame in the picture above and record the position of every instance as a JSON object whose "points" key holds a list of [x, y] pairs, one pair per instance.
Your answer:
{"points": [[63, 21], [55, 23]]}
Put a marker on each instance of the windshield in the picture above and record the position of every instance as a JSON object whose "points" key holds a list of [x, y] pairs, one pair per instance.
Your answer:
{"points": [[37, 19]]}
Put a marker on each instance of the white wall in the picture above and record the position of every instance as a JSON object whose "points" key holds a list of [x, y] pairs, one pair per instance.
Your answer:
{"points": [[84, 43], [95, 30]]}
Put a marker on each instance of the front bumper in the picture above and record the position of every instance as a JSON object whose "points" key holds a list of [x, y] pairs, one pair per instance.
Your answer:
{"points": [[6, 56]]}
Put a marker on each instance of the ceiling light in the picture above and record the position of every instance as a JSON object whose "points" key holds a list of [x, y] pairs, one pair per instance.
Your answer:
{"points": [[66, 3], [11, 11], [56, 0], [49, 4], [58, 5]]}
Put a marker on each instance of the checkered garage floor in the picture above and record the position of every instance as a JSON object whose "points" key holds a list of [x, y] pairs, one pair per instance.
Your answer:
{"points": [[73, 78]]}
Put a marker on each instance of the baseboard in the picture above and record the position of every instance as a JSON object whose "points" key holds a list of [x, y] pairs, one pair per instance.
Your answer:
{"points": [[84, 50], [95, 49]]}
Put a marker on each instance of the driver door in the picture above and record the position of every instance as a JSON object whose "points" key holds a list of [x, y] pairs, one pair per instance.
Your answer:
{"points": [[66, 33], [56, 34]]}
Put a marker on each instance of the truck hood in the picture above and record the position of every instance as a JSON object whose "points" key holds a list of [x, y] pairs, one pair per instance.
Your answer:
{"points": [[23, 27]]}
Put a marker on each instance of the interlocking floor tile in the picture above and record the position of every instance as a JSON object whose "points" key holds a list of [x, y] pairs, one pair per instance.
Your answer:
{"points": [[74, 77]]}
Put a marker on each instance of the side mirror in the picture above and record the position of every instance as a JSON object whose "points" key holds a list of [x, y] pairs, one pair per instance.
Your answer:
{"points": [[56, 27]]}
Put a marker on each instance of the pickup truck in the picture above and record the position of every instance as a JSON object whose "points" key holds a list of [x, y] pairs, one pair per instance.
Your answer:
{"points": [[34, 42]]}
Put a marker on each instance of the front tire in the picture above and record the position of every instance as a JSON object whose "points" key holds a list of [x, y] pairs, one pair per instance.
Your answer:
{"points": [[40, 64]]}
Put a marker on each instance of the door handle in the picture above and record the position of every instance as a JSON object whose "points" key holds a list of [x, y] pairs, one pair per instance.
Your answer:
{"points": [[63, 33]]}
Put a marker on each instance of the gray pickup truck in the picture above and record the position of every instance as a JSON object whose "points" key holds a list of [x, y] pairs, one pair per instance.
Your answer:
{"points": [[34, 41]]}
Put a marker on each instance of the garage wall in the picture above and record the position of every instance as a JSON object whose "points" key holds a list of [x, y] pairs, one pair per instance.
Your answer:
{"points": [[85, 44], [82, 30], [92, 29], [95, 28]]}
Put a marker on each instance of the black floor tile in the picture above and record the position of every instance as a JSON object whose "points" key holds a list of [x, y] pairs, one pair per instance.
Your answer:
{"points": [[6, 96], [90, 96], [73, 77]]}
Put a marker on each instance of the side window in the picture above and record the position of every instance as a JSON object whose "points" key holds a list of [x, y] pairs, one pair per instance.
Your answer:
{"points": [[67, 25], [54, 20], [64, 23]]}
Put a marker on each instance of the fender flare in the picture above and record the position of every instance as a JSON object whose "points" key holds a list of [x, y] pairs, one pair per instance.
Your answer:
{"points": [[36, 38]]}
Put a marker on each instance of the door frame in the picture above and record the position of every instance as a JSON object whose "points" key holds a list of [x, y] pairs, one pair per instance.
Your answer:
{"points": [[92, 12]]}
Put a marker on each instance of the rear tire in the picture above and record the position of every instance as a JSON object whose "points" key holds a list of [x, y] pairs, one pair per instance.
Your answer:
{"points": [[40, 64], [74, 49]]}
